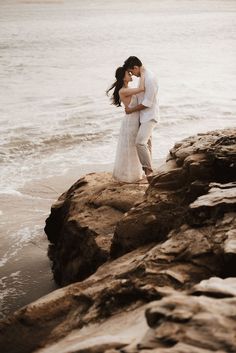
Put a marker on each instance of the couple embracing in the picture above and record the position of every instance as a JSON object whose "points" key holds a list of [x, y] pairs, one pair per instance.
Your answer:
{"points": [[133, 161]]}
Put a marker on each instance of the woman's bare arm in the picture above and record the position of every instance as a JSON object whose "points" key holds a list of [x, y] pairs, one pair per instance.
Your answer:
{"points": [[126, 92], [137, 108]]}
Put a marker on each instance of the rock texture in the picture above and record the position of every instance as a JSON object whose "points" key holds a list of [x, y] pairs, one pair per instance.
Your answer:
{"points": [[185, 323], [164, 256], [200, 165], [82, 222]]}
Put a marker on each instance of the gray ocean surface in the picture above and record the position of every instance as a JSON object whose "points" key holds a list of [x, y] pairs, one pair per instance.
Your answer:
{"points": [[58, 57]]}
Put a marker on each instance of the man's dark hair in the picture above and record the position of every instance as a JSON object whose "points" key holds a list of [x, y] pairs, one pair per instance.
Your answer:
{"points": [[131, 62]]}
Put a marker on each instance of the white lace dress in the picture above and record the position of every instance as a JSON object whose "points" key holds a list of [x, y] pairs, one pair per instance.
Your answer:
{"points": [[127, 167]]}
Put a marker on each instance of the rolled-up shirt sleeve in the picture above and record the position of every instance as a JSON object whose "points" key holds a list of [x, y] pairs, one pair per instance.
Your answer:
{"points": [[150, 93]]}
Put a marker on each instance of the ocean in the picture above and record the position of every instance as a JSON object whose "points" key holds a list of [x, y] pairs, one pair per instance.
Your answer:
{"points": [[57, 58]]}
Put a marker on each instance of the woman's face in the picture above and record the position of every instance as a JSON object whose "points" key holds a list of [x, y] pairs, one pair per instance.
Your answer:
{"points": [[128, 77]]}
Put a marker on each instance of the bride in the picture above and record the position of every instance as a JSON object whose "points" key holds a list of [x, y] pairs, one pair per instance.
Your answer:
{"points": [[127, 167]]}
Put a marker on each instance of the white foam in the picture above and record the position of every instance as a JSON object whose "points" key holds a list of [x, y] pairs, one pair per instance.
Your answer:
{"points": [[10, 286], [15, 274], [47, 127], [12, 192], [20, 239]]}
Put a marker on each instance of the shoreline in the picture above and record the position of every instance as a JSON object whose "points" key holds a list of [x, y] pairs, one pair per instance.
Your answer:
{"points": [[27, 275], [25, 268]]}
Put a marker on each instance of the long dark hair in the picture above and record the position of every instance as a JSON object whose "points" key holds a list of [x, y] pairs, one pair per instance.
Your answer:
{"points": [[117, 85]]}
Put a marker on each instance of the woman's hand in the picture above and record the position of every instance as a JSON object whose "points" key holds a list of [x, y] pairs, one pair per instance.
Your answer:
{"points": [[128, 110]]}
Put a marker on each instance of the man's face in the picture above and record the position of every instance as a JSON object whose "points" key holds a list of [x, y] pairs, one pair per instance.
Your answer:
{"points": [[135, 71]]}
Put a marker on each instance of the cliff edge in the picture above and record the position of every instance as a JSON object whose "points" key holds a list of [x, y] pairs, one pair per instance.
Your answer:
{"points": [[154, 265]]}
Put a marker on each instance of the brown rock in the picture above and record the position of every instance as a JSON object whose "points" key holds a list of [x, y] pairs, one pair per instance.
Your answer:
{"points": [[220, 198], [182, 323], [202, 163], [82, 222], [216, 287], [200, 322], [168, 240], [123, 286]]}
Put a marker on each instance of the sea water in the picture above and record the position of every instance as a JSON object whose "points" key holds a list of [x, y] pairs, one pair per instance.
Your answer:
{"points": [[58, 57]]}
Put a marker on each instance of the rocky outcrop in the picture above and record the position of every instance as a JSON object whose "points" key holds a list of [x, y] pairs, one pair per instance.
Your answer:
{"points": [[164, 282], [186, 323], [137, 303], [199, 170], [200, 165], [82, 222]]}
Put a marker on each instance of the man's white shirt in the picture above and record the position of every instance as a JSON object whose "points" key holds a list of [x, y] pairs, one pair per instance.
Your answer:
{"points": [[149, 98]]}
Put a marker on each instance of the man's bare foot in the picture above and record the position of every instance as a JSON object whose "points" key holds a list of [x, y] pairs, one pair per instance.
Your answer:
{"points": [[147, 171], [143, 180], [150, 177]]}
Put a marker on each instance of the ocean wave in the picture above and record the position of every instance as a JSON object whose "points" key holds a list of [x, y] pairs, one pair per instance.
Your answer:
{"points": [[22, 147], [10, 191], [179, 120], [9, 286], [21, 238]]}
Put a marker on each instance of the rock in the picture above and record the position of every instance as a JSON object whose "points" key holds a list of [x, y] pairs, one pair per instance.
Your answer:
{"points": [[230, 243], [81, 224], [180, 348], [200, 322], [216, 287], [200, 170], [100, 305], [106, 219], [218, 194], [157, 266]]}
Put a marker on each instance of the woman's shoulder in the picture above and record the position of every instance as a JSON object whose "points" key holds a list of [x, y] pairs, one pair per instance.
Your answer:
{"points": [[122, 90]]}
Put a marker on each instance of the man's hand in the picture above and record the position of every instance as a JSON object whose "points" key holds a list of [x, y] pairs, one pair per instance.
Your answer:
{"points": [[128, 110], [137, 108]]}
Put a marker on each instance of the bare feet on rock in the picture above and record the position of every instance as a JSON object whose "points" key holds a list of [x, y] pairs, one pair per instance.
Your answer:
{"points": [[150, 177], [149, 174], [142, 181]]}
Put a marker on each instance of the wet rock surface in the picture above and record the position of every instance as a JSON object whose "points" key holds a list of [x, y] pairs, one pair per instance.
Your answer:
{"points": [[161, 260]]}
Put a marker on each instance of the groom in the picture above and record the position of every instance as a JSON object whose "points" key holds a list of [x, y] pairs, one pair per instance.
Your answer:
{"points": [[149, 112]]}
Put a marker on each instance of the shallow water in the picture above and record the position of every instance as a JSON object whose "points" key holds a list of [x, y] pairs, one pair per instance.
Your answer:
{"points": [[57, 59]]}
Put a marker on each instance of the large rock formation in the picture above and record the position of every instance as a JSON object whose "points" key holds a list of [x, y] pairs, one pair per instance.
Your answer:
{"points": [[82, 222], [200, 165], [186, 323], [164, 282]]}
